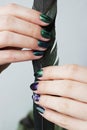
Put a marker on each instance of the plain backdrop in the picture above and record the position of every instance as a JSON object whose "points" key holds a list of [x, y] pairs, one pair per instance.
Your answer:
{"points": [[71, 27]]}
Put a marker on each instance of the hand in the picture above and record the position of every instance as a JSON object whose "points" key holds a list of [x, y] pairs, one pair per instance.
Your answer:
{"points": [[20, 27], [62, 95]]}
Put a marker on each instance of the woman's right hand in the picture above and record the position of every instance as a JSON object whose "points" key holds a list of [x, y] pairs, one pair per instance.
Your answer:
{"points": [[20, 27]]}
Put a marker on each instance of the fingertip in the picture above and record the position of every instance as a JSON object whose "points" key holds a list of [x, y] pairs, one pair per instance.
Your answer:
{"points": [[45, 19], [37, 18], [43, 23], [38, 57]]}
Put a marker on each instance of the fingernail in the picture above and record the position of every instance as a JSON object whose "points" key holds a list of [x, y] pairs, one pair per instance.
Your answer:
{"points": [[34, 86], [46, 34], [40, 110], [38, 53], [39, 73], [45, 18], [36, 97], [43, 44]]}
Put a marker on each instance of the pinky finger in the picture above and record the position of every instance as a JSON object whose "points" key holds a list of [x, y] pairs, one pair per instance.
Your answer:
{"points": [[10, 56], [62, 120]]}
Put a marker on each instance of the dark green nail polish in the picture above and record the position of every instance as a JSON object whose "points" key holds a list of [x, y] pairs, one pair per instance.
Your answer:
{"points": [[39, 73], [46, 34], [43, 44], [45, 18], [40, 110], [38, 53]]}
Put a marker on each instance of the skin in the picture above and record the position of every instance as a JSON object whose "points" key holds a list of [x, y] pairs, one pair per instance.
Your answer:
{"points": [[68, 108], [20, 28]]}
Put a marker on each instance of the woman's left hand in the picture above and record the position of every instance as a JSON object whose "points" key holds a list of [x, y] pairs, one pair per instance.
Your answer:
{"points": [[62, 95]]}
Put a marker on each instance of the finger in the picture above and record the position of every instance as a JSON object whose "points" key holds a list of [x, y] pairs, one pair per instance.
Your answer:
{"points": [[64, 121], [13, 24], [65, 88], [72, 72], [22, 12], [10, 56], [63, 105], [17, 40]]}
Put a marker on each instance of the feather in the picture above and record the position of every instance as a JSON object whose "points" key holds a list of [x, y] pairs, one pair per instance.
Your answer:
{"points": [[42, 5], [48, 7]]}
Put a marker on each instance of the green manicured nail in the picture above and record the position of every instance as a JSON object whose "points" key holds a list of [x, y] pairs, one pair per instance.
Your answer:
{"points": [[45, 18], [46, 34], [39, 73], [40, 110], [43, 44], [38, 53]]}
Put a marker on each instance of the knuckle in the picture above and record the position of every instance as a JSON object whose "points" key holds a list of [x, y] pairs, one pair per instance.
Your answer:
{"points": [[35, 44], [63, 122], [12, 57], [72, 70], [7, 21], [63, 106], [68, 87], [35, 31], [5, 38], [10, 20], [8, 55], [12, 6], [34, 41], [28, 10], [73, 67]]}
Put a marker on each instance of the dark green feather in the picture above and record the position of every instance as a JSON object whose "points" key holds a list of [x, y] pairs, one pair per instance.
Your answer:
{"points": [[48, 7]]}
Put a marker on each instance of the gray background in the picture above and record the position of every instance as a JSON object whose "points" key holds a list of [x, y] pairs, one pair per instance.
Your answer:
{"points": [[15, 95]]}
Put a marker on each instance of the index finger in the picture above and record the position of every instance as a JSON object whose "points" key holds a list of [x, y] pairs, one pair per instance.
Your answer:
{"points": [[67, 72], [25, 13]]}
